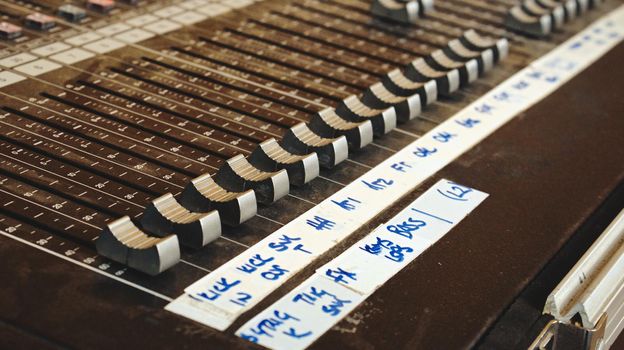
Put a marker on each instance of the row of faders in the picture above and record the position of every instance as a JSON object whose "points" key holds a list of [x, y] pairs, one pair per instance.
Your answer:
{"points": [[209, 182], [195, 218], [539, 18], [35, 21], [402, 11]]}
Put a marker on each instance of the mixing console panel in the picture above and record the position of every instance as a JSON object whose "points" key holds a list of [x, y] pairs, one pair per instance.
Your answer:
{"points": [[154, 141]]}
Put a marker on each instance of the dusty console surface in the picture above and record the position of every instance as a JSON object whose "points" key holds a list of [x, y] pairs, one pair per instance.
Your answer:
{"points": [[331, 174]]}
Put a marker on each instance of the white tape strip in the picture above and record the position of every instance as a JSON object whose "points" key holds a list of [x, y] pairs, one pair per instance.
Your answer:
{"points": [[301, 316], [346, 281], [241, 283]]}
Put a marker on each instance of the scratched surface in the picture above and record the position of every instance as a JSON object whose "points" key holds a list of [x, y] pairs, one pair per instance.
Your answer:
{"points": [[53, 165]]}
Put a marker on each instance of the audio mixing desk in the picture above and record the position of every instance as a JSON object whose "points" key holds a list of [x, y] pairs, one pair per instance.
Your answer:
{"points": [[331, 174]]}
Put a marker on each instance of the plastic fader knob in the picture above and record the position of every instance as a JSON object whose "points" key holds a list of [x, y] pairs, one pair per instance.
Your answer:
{"points": [[71, 13], [327, 123], [532, 8], [123, 242], [270, 156], [9, 31], [164, 215], [299, 139], [538, 8], [457, 51], [377, 96], [238, 175], [397, 83], [399, 11], [468, 71], [352, 109], [420, 71], [539, 26], [426, 6], [594, 3], [402, 11], [203, 194], [473, 41], [582, 6], [571, 7], [103, 6], [39, 21]]}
